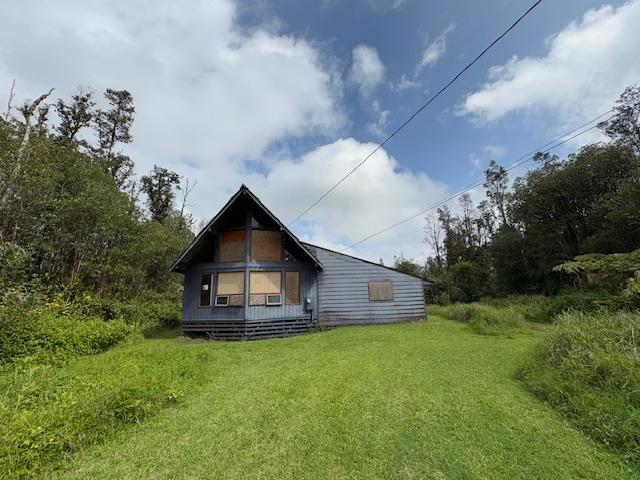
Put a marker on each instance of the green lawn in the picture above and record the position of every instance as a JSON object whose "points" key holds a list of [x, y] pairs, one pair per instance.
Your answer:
{"points": [[425, 400]]}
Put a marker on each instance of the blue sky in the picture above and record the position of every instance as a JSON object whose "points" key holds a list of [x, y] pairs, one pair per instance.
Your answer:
{"points": [[287, 96], [438, 142]]}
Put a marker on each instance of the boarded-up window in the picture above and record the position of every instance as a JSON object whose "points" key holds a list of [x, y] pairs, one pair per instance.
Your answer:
{"points": [[205, 290], [230, 283], [231, 246], [292, 288], [266, 245], [230, 289], [380, 291], [261, 284]]}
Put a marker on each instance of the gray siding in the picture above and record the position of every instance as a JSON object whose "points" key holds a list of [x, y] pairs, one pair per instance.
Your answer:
{"points": [[192, 312], [343, 292], [307, 284]]}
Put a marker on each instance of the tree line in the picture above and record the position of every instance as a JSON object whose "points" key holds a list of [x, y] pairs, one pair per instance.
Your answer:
{"points": [[71, 218], [588, 202]]}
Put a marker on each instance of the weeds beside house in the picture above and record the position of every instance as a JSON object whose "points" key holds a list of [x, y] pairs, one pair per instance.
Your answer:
{"points": [[587, 366]]}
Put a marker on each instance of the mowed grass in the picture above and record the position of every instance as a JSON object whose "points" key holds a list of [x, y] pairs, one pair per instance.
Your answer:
{"points": [[421, 400]]}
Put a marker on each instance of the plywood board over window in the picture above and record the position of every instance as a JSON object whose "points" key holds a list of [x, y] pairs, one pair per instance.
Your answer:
{"points": [[262, 284], [292, 288], [230, 283], [266, 245], [381, 290], [230, 289], [231, 246]]}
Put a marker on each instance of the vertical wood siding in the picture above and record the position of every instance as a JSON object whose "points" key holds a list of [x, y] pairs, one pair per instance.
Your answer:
{"points": [[192, 312], [307, 280], [343, 291]]}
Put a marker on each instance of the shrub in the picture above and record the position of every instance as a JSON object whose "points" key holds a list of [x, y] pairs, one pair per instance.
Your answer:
{"points": [[146, 314], [471, 281], [588, 368], [438, 310], [46, 337]]}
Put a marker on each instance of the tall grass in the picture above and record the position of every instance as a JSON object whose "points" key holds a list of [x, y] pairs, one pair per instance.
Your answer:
{"points": [[60, 329], [485, 319], [39, 336], [588, 368], [49, 412]]}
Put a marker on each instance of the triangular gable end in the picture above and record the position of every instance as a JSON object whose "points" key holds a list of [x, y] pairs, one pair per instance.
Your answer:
{"points": [[243, 194]]}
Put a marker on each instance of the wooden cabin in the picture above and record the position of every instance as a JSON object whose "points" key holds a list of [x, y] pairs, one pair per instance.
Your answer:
{"points": [[247, 276]]}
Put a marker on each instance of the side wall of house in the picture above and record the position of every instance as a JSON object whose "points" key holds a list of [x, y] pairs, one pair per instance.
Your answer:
{"points": [[343, 291]]}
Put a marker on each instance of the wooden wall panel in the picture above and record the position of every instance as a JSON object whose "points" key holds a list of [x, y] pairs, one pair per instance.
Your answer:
{"points": [[266, 245], [380, 291], [231, 246], [230, 283], [292, 288], [265, 282]]}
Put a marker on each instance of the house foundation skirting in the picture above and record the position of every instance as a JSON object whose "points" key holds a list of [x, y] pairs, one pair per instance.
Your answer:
{"points": [[248, 329]]}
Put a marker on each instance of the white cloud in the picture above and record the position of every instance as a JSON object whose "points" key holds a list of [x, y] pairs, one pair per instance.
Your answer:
{"points": [[211, 96], [587, 66], [434, 50], [405, 83], [475, 161], [367, 70], [208, 94], [495, 151], [379, 124], [376, 196], [383, 6]]}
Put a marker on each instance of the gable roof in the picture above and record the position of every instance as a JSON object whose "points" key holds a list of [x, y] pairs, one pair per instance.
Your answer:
{"points": [[177, 265]]}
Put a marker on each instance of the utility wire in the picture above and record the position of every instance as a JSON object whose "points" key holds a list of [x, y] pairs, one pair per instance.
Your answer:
{"points": [[515, 164], [417, 112]]}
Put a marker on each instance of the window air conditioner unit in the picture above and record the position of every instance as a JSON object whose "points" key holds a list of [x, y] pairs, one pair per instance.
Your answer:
{"points": [[274, 299], [222, 300]]}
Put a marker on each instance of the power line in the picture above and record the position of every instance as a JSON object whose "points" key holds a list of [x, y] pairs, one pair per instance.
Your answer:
{"points": [[417, 112], [513, 165]]}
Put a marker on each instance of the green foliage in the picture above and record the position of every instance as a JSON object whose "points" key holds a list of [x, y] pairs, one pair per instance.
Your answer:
{"points": [[51, 412], [71, 227], [158, 186], [42, 337], [624, 126], [612, 264], [587, 202], [632, 292], [408, 265], [534, 308], [588, 368], [13, 264], [470, 281], [483, 318]]}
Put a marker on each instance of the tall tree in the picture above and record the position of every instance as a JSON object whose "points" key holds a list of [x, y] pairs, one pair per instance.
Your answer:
{"points": [[158, 186], [467, 220], [28, 110], [624, 126], [496, 185], [75, 115], [113, 126], [433, 237]]}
